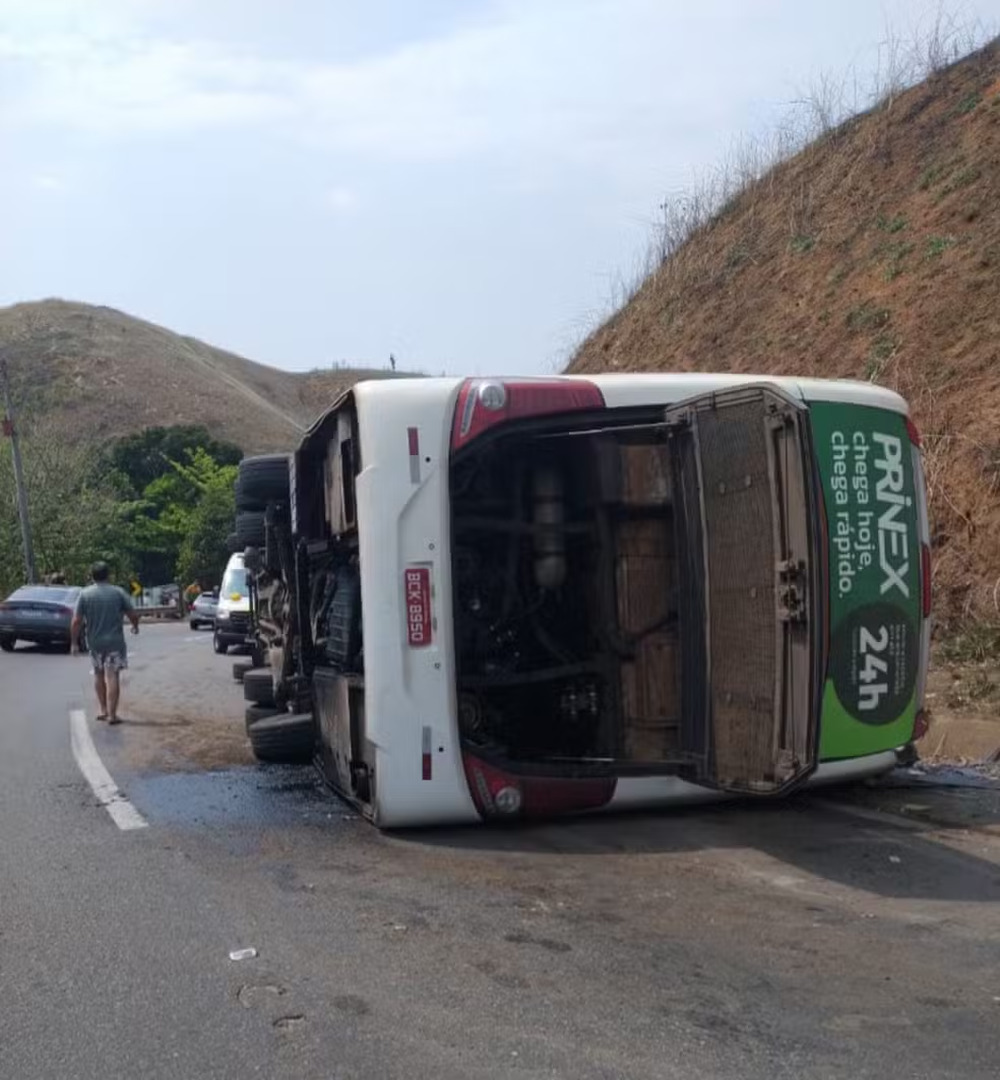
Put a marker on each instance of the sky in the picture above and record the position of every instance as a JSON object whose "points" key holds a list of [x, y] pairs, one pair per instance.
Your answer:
{"points": [[464, 184]]}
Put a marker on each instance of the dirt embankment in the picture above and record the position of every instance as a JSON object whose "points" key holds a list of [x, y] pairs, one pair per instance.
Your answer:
{"points": [[874, 254]]}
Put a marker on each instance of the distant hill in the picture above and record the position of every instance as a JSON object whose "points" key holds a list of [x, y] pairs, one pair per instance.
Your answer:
{"points": [[875, 254], [95, 373]]}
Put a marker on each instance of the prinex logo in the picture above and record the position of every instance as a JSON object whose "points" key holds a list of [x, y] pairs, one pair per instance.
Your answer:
{"points": [[893, 535]]}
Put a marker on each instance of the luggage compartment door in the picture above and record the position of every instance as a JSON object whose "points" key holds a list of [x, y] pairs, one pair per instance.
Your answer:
{"points": [[749, 590]]}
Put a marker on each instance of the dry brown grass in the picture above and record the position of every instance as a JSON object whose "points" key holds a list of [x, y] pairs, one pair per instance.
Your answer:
{"points": [[95, 373], [872, 253]]}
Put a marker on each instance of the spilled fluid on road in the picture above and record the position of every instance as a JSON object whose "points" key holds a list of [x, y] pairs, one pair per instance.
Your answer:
{"points": [[244, 796]]}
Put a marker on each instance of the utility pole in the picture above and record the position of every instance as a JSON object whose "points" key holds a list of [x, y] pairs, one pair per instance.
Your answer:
{"points": [[10, 430]]}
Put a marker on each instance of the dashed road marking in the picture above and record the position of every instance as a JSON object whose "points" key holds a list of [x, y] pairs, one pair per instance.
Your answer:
{"points": [[122, 812]]}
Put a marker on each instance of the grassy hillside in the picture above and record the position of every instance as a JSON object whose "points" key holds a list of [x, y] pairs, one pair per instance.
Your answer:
{"points": [[95, 373], [874, 253]]}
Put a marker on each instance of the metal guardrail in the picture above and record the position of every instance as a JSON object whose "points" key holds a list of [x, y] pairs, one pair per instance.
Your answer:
{"points": [[170, 611]]}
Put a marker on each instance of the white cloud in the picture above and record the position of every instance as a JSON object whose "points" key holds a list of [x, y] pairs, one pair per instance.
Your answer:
{"points": [[554, 80], [127, 86], [341, 199], [47, 182], [600, 84]]}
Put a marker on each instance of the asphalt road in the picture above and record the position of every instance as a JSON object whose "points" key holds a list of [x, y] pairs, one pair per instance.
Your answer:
{"points": [[811, 939]]}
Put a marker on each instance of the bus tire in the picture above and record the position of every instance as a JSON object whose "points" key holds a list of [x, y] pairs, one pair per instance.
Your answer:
{"points": [[250, 529], [261, 480], [253, 713], [285, 738], [258, 686]]}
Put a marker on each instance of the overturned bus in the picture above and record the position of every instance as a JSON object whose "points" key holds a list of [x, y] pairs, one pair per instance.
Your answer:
{"points": [[503, 598]]}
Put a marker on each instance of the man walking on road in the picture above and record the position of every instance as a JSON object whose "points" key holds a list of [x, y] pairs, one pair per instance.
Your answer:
{"points": [[102, 607]]}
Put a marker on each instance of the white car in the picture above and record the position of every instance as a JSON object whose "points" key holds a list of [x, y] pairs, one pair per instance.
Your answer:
{"points": [[203, 610], [232, 616]]}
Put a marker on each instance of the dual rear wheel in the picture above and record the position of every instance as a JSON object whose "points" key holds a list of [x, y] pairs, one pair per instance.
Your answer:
{"points": [[276, 736]]}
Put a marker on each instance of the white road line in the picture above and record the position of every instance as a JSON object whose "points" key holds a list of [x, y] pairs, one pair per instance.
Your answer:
{"points": [[122, 812]]}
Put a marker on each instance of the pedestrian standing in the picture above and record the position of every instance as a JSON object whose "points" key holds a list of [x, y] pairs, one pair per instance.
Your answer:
{"points": [[103, 607], [191, 593]]}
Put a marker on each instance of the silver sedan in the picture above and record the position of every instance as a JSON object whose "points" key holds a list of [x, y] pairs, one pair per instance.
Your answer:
{"points": [[203, 610]]}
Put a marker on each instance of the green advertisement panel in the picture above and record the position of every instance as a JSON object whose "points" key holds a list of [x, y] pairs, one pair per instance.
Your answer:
{"points": [[866, 463]]}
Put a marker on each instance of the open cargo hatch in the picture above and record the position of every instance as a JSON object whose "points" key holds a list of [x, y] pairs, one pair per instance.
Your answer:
{"points": [[749, 593]]}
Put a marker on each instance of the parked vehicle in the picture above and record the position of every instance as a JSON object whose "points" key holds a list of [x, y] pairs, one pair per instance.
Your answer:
{"points": [[203, 610], [232, 612], [500, 598], [158, 596], [39, 614]]}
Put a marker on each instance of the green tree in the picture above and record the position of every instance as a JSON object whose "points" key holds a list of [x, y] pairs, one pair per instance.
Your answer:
{"points": [[169, 508], [149, 454], [77, 515], [83, 509], [203, 552]]}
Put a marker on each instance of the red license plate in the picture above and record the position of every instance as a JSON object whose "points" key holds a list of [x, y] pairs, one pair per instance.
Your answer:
{"points": [[417, 593]]}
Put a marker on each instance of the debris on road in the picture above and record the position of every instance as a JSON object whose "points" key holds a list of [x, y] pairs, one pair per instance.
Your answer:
{"points": [[243, 954], [965, 774], [254, 994]]}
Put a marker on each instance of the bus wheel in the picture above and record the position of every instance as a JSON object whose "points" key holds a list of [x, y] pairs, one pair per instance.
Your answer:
{"points": [[253, 713], [286, 738], [258, 686]]}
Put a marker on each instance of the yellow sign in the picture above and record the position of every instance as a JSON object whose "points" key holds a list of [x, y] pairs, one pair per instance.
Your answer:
{"points": [[135, 587]]}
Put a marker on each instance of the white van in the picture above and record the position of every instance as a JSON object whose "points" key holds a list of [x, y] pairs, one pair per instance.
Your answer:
{"points": [[232, 617], [499, 598]]}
